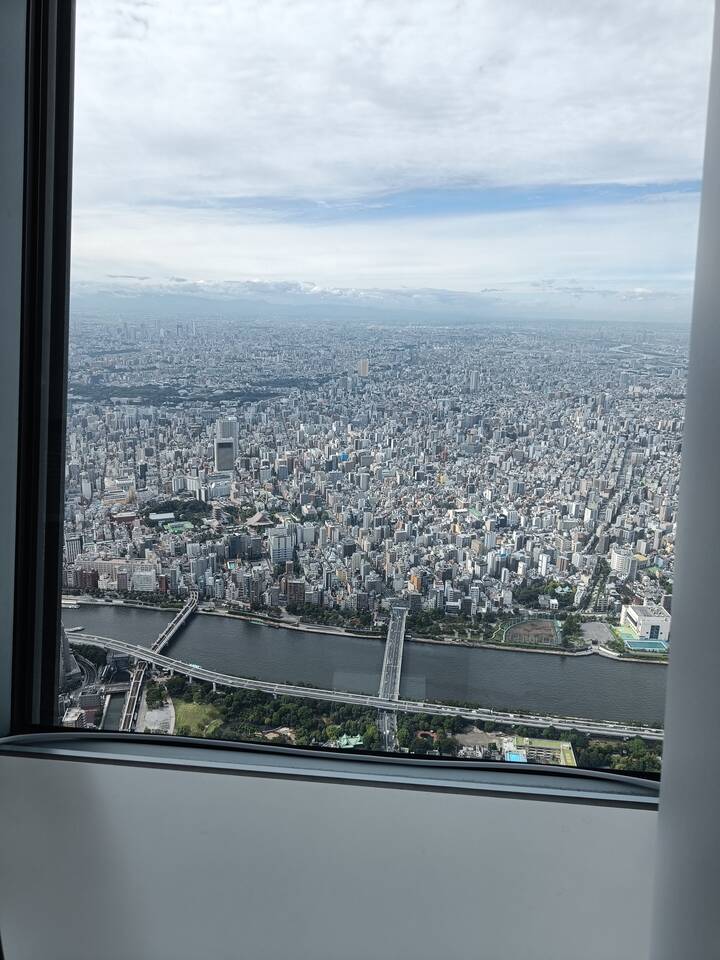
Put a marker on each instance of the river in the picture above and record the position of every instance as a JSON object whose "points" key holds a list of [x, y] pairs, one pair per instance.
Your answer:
{"points": [[593, 687]]}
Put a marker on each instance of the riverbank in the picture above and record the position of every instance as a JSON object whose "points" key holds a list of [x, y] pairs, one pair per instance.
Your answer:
{"points": [[508, 648], [97, 602], [621, 658], [440, 641], [334, 631], [452, 672], [342, 632], [291, 625]]}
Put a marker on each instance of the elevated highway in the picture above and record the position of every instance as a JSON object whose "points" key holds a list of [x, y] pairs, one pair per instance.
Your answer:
{"points": [[478, 714], [137, 677], [132, 698]]}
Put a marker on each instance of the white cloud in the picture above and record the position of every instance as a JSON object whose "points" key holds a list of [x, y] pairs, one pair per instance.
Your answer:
{"points": [[346, 98], [624, 247], [180, 106]]}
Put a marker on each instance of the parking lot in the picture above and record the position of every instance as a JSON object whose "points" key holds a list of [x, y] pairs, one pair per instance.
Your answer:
{"points": [[597, 633]]}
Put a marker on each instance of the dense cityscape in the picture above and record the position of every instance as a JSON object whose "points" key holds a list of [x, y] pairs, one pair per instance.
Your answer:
{"points": [[505, 485]]}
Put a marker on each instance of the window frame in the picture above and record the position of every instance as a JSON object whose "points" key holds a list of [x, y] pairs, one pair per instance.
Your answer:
{"points": [[43, 359]]}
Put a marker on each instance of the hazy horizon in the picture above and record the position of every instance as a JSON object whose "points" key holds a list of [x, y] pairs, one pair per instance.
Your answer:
{"points": [[425, 156]]}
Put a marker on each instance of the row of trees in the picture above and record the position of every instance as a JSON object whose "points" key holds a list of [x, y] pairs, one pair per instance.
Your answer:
{"points": [[421, 733], [597, 582], [638, 755], [529, 594], [96, 655], [146, 598], [337, 617], [571, 630], [434, 623], [248, 714], [154, 695]]}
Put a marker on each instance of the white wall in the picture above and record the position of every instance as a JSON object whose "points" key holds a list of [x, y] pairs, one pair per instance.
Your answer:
{"points": [[128, 863], [687, 919]]}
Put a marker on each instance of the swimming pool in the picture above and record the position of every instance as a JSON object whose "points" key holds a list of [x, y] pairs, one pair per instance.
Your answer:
{"points": [[648, 646]]}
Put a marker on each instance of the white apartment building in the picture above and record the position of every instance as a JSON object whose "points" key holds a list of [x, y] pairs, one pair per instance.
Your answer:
{"points": [[650, 621]]}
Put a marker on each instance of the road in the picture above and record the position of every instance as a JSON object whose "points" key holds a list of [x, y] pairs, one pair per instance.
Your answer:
{"points": [[137, 677], [387, 726], [132, 700], [89, 670], [605, 728], [390, 676], [180, 618], [392, 661]]}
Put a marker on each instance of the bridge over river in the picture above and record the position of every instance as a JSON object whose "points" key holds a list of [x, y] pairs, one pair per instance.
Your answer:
{"points": [[384, 703], [137, 677], [390, 676]]}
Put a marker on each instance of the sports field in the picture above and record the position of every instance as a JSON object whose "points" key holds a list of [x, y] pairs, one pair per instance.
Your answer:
{"points": [[541, 632]]}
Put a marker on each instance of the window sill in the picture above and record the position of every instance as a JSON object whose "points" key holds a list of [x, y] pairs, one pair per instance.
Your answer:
{"points": [[532, 782]]}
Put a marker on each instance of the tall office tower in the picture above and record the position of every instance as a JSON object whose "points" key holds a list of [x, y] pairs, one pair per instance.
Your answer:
{"points": [[295, 593], [73, 547], [474, 380], [85, 486], [224, 454], [228, 428], [281, 548], [363, 367]]}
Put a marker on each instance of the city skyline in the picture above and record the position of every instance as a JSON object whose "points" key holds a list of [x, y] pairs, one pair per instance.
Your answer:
{"points": [[510, 489]]}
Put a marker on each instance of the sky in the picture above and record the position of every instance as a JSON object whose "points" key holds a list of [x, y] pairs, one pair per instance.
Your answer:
{"points": [[514, 157]]}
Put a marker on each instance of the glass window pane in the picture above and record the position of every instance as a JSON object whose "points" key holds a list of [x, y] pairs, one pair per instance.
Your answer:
{"points": [[378, 351]]}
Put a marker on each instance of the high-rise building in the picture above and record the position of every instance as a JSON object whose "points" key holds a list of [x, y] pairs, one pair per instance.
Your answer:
{"points": [[281, 548], [295, 593], [73, 547], [623, 562], [224, 454], [649, 621], [227, 428], [144, 579], [363, 367]]}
